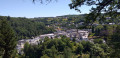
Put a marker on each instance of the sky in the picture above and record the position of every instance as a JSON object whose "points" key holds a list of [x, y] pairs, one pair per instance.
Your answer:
{"points": [[26, 8]]}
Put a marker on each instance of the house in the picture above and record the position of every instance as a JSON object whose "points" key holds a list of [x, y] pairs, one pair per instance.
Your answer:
{"points": [[111, 23], [48, 35], [72, 33]]}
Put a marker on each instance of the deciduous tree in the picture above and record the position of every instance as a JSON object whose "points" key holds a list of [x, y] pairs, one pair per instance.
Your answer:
{"points": [[108, 7]]}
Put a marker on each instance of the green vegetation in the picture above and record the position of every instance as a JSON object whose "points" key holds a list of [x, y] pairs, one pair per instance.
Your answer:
{"points": [[64, 47], [7, 40], [26, 28], [102, 13], [100, 9]]}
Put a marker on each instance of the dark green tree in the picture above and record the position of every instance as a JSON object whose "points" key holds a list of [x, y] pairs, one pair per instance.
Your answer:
{"points": [[7, 39], [99, 41], [114, 43], [79, 49], [87, 46]]}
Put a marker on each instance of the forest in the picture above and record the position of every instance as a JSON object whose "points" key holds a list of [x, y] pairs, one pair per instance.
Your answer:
{"points": [[25, 28], [65, 48], [102, 21]]}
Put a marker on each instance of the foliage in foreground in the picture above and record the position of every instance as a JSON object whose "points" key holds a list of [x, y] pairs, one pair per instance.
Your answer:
{"points": [[7, 40], [64, 47]]}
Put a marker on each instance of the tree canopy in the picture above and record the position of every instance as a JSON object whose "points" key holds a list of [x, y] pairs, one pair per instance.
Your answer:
{"points": [[7, 39], [108, 7]]}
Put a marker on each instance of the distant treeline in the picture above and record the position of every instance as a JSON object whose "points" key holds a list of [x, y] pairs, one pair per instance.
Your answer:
{"points": [[26, 28]]}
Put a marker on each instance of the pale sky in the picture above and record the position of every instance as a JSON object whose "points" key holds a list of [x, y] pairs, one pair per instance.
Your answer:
{"points": [[26, 8]]}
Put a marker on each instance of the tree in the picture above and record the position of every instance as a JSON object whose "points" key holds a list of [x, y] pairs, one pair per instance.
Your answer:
{"points": [[87, 46], [26, 49], [7, 39], [108, 7], [98, 41], [45, 56], [97, 51], [114, 42], [79, 49], [53, 52], [31, 51], [67, 52]]}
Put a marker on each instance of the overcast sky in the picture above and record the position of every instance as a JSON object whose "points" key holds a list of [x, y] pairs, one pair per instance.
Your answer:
{"points": [[26, 8]]}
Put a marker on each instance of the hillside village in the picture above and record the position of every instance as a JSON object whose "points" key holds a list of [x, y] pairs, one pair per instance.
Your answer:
{"points": [[72, 33]]}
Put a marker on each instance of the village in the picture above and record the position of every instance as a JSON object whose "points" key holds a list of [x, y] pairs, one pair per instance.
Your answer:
{"points": [[76, 34]]}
